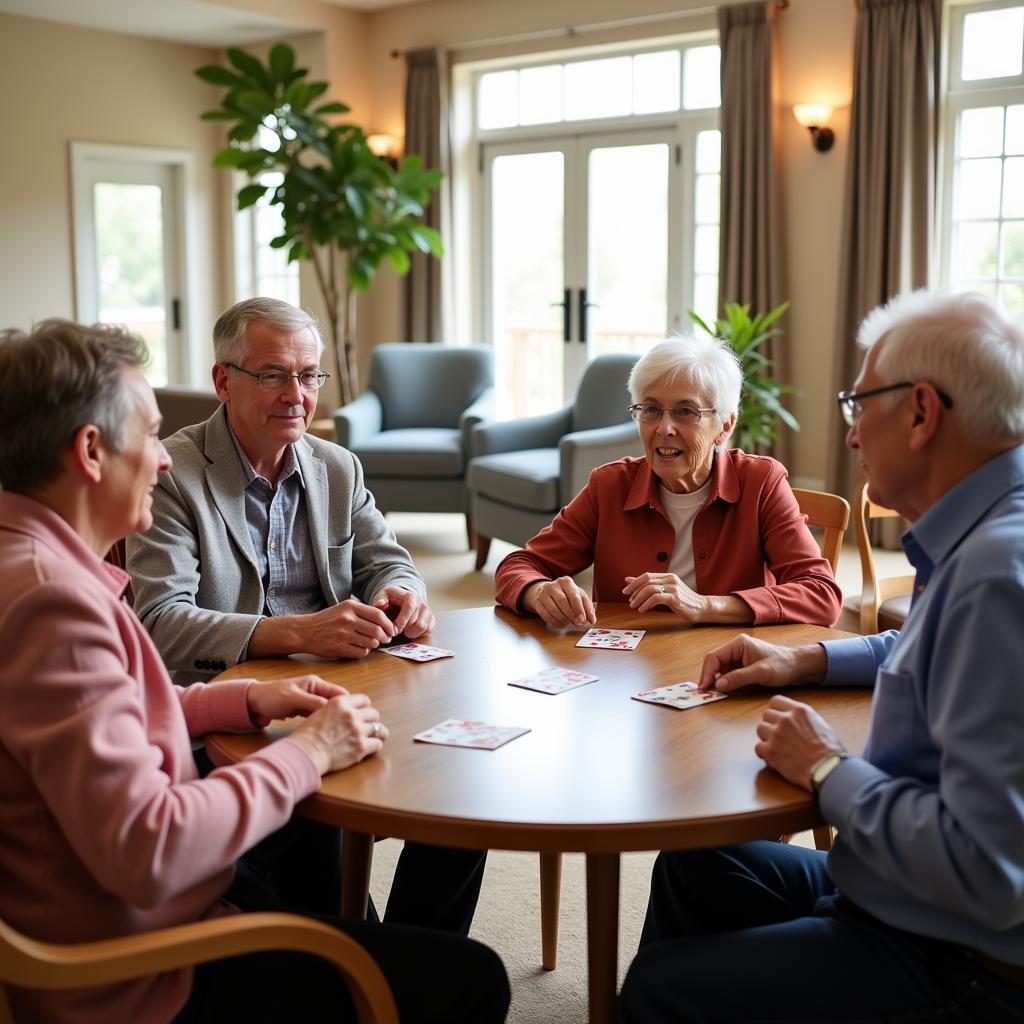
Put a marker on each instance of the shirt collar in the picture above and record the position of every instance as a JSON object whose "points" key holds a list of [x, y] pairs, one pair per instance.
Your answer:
{"points": [[938, 532], [724, 484], [291, 463], [21, 514]]}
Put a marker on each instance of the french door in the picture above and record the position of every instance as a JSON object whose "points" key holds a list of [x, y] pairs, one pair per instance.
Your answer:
{"points": [[579, 257]]}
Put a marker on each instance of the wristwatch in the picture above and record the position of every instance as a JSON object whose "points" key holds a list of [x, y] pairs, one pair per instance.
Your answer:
{"points": [[824, 768]]}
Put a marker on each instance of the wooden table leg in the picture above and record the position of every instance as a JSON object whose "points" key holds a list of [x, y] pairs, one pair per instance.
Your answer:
{"points": [[356, 858], [602, 935], [550, 894]]}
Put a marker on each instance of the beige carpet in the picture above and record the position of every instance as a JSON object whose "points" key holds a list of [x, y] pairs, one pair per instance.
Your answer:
{"points": [[508, 916]]}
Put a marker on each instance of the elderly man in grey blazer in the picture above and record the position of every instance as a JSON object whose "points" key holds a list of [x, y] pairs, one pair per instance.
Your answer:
{"points": [[265, 541]]}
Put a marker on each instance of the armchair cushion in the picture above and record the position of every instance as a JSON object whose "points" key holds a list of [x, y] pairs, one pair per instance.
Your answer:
{"points": [[525, 479], [423, 452], [358, 421]]}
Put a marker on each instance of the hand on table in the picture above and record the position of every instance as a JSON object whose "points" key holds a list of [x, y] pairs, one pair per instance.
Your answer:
{"points": [[745, 661], [411, 614], [653, 589], [281, 698], [343, 732], [349, 629], [559, 603], [793, 738]]}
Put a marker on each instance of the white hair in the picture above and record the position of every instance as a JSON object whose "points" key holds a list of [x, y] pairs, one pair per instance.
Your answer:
{"points": [[229, 344], [966, 345], [708, 365]]}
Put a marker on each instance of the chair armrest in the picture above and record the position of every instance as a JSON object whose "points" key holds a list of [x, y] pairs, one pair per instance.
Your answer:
{"points": [[358, 421], [34, 964], [518, 435], [480, 411], [584, 450]]}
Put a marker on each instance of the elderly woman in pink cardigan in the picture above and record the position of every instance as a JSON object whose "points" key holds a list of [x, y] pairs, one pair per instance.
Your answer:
{"points": [[105, 828]]}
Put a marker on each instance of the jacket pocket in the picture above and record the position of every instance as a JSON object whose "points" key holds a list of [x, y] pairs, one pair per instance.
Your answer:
{"points": [[339, 569]]}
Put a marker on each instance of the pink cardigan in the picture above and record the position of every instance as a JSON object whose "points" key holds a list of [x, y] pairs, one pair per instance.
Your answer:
{"points": [[105, 829], [749, 540]]}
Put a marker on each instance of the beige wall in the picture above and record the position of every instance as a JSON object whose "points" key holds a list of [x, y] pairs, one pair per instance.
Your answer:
{"points": [[815, 56], [68, 84]]}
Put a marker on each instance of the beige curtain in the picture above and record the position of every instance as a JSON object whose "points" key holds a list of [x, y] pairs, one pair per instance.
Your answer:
{"points": [[889, 208], [426, 134], [750, 242]]}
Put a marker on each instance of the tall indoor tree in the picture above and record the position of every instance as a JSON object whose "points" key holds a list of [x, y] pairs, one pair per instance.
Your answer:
{"points": [[343, 208]]}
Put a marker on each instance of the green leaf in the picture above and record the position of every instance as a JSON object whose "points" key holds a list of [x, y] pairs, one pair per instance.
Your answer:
{"points": [[220, 115], [230, 157], [250, 195], [355, 201], [332, 108], [257, 101], [699, 322], [247, 64], [217, 75], [281, 61], [244, 132], [399, 260]]}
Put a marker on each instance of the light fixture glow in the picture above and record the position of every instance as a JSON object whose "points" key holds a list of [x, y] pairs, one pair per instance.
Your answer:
{"points": [[382, 145], [814, 117]]}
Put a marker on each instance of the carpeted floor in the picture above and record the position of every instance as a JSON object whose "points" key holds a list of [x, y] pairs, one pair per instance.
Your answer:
{"points": [[508, 916]]}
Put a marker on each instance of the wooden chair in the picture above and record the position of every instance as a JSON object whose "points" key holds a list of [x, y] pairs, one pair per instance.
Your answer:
{"points": [[884, 600], [831, 514], [28, 963]]}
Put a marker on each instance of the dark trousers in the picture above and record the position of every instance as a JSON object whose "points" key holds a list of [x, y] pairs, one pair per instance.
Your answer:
{"points": [[434, 886], [436, 978], [759, 933]]}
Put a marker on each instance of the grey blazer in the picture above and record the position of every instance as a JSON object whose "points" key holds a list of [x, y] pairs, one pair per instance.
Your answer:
{"points": [[197, 587]]}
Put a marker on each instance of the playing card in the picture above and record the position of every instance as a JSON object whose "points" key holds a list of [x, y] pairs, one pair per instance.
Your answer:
{"points": [[417, 652], [679, 695], [611, 639], [454, 732], [553, 680]]}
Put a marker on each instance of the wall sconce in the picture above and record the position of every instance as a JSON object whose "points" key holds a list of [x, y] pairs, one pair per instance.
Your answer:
{"points": [[384, 146], [814, 117]]}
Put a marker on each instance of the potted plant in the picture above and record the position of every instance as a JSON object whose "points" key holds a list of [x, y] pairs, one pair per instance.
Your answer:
{"points": [[344, 209], [760, 405]]}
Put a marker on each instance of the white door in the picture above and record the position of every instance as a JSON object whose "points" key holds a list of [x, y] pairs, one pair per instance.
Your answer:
{"points": [[579, 260], [128, 249]]}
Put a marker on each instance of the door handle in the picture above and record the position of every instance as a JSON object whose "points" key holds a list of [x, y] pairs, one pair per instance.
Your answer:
{"points": [[566, 305], [583, 307]]}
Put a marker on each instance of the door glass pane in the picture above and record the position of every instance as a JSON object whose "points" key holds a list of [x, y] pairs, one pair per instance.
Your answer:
{"points": [[701, 85], [977, 191], [628, 254], [656, 82], [981, 132], [130, 265], [497, 99], [599, 88], [540, 94], [527, 259]]}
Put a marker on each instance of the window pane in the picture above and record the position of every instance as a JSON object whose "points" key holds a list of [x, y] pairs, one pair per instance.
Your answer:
{"points": [[974, 250], [992, 44], [656, 82], [540, 94], [1013, 249], [709, 187], [497, 99], [701, 86], [981, 132], [1015, 129], [709, 152], [598, 88], [1013, 187], [705, 249], [130, 265], [705, 297], [977, 192], [1012, 297]]}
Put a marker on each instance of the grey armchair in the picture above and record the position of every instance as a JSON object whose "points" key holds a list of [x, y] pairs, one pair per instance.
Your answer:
{"points": [[410, 428], [524, 471]]}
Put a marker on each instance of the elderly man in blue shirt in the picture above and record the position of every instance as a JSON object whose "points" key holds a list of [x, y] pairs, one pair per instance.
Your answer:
{"points": [[917, 913]]}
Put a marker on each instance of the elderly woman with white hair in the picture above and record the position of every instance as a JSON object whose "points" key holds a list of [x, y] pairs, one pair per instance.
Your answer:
{"points": [[712, 534]]}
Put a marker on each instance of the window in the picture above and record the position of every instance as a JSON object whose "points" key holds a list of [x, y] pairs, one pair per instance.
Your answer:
{"points": [[984, 202]]}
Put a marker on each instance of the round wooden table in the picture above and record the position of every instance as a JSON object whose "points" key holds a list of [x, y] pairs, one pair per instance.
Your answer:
{"points": [[598, 772]]}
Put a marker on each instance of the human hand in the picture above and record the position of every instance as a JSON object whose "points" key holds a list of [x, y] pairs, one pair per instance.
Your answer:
{"points": [[793, 738], [297, 695], [342, 733], [654, 589], [744, 661], [559, 602], [410, 614], [349, 629]]}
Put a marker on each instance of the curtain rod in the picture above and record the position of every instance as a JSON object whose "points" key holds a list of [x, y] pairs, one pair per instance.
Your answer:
{"points": [[570, 31]]}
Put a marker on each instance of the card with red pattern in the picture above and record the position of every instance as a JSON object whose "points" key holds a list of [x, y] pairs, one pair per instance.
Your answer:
{"points": [[454, 732], [680, 695], [611, 639], [553, 680]]}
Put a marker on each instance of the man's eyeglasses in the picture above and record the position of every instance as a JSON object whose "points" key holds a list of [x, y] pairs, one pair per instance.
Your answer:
{"points": [[682, 415], [278, 380], [849, 401]]}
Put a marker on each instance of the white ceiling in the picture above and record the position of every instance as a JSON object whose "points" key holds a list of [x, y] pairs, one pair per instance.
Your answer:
{"points": [[197, 22]]}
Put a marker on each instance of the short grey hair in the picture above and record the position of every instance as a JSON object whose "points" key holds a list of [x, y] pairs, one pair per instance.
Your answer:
{"points": [[54, 380], [229, 330], [966, 345], [708, 365]]}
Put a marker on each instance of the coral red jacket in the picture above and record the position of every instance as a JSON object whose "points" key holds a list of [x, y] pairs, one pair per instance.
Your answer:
{"points": [[750, 540]]}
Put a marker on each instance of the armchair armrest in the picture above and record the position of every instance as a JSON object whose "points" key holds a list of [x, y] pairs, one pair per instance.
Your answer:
{"points": [[481, 410], [584, 450], [516, 435], [359, 420]]}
